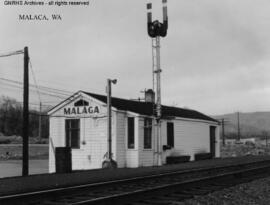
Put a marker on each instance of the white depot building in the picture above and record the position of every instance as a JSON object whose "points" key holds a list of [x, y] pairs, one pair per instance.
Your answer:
{"points": [[80, 122]]}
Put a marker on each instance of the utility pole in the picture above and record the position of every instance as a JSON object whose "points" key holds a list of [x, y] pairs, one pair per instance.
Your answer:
{"points": [[25, 167], [109, 113], [238, 127], [156, 30], [223, 134], [109, 162]]}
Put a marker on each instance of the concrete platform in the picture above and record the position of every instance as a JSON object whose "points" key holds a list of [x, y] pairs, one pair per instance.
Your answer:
{"points": [[13, 185]]}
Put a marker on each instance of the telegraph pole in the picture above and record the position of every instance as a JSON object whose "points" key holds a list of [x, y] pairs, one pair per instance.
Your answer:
{"points": [[109, 162], [25, 167], [109, 110], [156, 30]]}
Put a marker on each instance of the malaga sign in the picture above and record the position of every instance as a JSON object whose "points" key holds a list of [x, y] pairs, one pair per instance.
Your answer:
{"points": [[81, 110]]}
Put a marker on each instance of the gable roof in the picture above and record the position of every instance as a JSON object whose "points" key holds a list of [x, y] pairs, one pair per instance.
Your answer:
{"points": [[147, 108]]}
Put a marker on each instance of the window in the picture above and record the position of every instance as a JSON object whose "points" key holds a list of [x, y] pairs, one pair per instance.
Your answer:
{"points": [[73, 133], [170, 134], [147, 144], [81, 103], [131, 142], [212, 140]]}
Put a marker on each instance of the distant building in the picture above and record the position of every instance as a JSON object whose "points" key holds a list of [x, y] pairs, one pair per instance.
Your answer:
{"points": [[80, 122]]}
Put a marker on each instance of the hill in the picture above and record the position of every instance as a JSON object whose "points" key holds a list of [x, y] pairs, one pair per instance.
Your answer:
{"points": [[255, 123]]}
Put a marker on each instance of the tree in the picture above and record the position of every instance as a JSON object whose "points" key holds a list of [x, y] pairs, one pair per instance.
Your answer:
{"points": [[11, 119], [10, 116]]}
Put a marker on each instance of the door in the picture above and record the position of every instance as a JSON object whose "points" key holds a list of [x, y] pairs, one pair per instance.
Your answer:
{"points": [[213, 141]]}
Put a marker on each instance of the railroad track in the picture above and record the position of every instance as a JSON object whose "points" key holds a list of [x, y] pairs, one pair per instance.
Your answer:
{"points": [[162, 188]]}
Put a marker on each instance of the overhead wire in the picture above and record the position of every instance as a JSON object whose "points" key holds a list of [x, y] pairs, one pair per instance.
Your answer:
{"points": [[47, 89], [45, 92], [41, 92], [62, 92], [34, 78]]}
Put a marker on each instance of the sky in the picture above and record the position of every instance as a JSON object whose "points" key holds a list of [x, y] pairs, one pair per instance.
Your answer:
{"points": [[214, 59]]}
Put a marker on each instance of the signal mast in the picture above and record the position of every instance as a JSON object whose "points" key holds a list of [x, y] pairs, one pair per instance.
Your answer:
{"points": [[156, 30]]}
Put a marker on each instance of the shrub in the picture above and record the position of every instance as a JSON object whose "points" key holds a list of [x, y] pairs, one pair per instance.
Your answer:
{"points": [[5, 141]]}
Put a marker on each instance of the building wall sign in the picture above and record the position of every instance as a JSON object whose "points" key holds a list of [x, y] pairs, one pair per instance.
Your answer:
{"points": [[81, 110]]}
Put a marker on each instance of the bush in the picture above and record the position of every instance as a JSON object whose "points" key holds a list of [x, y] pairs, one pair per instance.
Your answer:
{"points": [[5, 141]]}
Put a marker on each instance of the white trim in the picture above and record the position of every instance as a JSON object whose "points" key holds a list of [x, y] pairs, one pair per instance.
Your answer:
{"points": [[82, 94], [135, 147], [147, 149], [173, 118], [130, 149], [143, 133], [76, 96], [65, 134], [192, 120], [60, 105], [129, 113], [135, 114]]}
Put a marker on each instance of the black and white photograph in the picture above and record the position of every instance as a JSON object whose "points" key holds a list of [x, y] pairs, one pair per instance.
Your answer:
{"points": [[134, 102]]}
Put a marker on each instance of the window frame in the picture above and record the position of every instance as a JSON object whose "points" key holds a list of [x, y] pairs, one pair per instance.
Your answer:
{"points": [[68, 133], [147, 133], [170, 141], [130, 137]]}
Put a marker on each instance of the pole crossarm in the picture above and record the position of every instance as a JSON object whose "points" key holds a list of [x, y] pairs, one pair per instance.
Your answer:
{"points": [[12, 53]]}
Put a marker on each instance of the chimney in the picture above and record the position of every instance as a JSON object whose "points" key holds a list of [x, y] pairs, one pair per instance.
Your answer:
{"points": [[150, 96]]}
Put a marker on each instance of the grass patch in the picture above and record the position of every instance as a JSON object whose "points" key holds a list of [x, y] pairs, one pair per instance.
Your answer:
{"points": [[14, 151], [18, 140]]}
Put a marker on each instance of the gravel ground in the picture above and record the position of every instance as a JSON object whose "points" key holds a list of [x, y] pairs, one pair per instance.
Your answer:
{"points": [[44, 181], [10, 168], [253, 193]]}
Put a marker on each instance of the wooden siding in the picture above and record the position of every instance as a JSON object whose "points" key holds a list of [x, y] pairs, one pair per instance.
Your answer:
{"points": [[189, 138], [93, 138], [57, 131], [132, 155], [132, 158], [91, 153], [121, 139], [146, 156]]}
